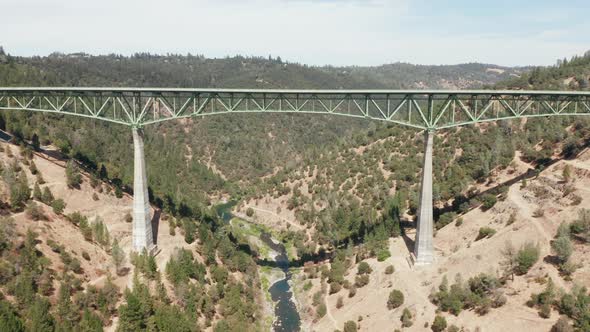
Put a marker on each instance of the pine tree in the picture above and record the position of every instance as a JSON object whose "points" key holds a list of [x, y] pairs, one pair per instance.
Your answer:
{"points": [[118, 255], [567, 173], [9, 320], [39, 317], [510, 261], [20, 192], [130, 314], [67, 314], [90, 322], [73, 177], [37, 192], [47, 196]]}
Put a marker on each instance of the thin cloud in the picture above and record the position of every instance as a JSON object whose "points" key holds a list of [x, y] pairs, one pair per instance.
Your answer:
{"points": [[317, 32]]}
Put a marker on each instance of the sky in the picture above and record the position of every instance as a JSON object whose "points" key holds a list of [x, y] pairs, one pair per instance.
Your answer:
{"points": [[314, 32]]}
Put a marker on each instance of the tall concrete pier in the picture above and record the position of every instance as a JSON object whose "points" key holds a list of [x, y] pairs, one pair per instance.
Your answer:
{"points": [[423, 247], [142, 221]]}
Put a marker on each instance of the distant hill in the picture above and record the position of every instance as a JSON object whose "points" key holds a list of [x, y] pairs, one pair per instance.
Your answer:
{"points": [[144, 69], [572, 74]]}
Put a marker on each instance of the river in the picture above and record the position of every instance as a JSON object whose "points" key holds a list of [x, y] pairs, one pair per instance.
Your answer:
{"points": [[287, 317]]}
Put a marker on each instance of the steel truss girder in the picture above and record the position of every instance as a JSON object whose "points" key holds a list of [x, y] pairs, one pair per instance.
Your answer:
{"points": [[422, 109]]}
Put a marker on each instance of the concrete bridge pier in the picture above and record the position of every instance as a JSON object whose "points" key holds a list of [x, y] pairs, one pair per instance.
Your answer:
{"points": [[142, 221], [423, 246]]}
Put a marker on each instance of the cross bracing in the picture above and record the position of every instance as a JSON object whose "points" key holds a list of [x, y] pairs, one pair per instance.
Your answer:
{"points": [[422, 109]]}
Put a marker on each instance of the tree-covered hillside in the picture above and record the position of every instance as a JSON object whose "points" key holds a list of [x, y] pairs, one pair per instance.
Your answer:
{"points": [[357, 192], [240, 148], [572, 74]]}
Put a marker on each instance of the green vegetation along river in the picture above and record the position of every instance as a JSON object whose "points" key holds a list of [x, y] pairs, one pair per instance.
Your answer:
{"points": [[287, 317]]}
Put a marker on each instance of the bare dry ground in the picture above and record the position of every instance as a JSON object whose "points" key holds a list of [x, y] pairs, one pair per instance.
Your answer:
{"points": [[459, 253]]}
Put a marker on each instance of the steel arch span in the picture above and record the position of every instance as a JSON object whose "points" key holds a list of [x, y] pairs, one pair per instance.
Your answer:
{"points": [[429, 110], [422, 109]]}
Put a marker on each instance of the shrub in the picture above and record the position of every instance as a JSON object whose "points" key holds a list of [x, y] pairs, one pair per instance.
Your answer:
{"points": [[479, 294], [85, 255], [321, 310], [47, 196], [73, 176], [489, 200], [128, 217], [439, 324], [339, 302], [118, 192], [34, 212], [361, 280], [396, 298], [189, 230], [485, 232], [352, 291], [445, 219], [54, 246], [383, 254], [350, 326], [453, 328], [389, 269], [544, 300], [526, 257], [250, 212], [58, 206], [459, 222], [538, 213], [512, 219], [581, 226], [562, 248], [364, 268], [562, 325], [37, 192], [335, 287], [406, 318], [317, 298], [545, 311], [20, 193]]}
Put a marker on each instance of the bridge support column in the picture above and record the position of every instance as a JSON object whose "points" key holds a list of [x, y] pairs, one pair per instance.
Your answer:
{"points": [[423, 246], [142, 221]]}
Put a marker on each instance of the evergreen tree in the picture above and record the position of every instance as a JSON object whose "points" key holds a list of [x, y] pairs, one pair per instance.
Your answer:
{"points": [[20, 192], [73, 176], [67, 314], [118, 255], [47, 196], [90, 322], [39, 317], [131, 317], [37, 192], [9, 320]]}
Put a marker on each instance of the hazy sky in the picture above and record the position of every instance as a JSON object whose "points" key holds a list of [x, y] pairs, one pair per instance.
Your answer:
{"points": [[317, 32]]}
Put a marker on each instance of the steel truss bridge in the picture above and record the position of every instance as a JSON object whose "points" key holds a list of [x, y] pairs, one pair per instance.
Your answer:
{"points": [[422, 109], [429, 110]]}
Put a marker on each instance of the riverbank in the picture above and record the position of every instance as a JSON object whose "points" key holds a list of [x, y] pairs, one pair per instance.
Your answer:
{"points": [[280, 311]]}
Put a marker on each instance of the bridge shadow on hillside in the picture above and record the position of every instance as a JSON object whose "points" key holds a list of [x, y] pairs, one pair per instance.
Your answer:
{"points": [[156, 225], [408, 242], [497, 189], [315, 258]]}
